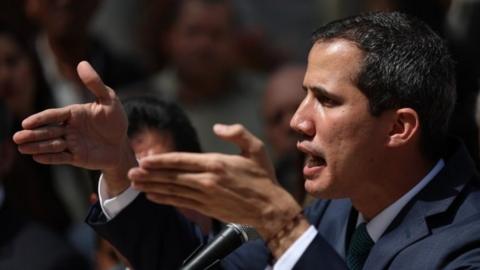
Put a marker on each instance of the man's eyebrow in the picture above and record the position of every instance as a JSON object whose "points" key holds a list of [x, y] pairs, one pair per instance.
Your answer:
{"points": [[320, 91]]}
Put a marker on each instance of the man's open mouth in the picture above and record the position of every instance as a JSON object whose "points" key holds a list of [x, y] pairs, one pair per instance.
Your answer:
{"points": [[313, 166], [314, 161]]}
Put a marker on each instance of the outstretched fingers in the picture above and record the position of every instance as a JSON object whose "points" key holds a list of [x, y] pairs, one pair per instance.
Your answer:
{"points": [[39, 134], [177, 189], [47, 117], [194, 162], [197, 181], [251, 146], [43, 147]]}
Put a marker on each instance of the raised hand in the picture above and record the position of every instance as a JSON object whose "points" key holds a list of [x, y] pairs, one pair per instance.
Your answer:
{"points": [[231, 188], [91, 136]]}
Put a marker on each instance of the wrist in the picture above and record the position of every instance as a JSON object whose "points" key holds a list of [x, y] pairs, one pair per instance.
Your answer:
{"points": [[279, 242], [116, 178], [282, 223]]}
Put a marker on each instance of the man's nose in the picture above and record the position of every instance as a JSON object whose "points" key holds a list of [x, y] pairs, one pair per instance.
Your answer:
{"points": [[301, 121]]}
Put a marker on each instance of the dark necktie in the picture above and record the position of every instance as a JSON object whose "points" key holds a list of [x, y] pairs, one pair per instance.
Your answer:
{"points": [[360, 245]]}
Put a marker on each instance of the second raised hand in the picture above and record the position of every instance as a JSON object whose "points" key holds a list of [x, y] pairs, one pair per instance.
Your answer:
{"points": [[91, 135]]}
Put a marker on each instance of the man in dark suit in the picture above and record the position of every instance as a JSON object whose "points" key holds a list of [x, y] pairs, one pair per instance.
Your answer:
{"points": [[395, 192]]}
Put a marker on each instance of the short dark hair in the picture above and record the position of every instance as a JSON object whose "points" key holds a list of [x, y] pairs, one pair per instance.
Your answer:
{"points": [[150, 112], [405, 64]]}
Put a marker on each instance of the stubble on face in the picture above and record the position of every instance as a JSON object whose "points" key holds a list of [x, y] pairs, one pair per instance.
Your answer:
{"points": [[340, 136]]}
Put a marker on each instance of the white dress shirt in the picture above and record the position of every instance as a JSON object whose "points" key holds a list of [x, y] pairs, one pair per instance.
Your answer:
{"points": [[375, 227]]}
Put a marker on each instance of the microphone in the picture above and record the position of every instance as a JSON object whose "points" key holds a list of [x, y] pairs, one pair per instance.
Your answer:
{"points": [[229, 239]]}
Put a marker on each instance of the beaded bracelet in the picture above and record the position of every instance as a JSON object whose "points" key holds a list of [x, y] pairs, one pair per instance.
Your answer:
{"points": [[288, 226]]}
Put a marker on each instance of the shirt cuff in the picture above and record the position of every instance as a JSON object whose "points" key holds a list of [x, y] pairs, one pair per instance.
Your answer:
{"points": [[112, 206], [295, 251]]}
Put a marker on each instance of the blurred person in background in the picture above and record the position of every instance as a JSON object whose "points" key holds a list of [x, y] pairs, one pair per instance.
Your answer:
{"points": [[25, 244], [196, 39], [21, 82], [156, 127], [63, 39], [462, 28], [39, 196], [24, 91], [462, 24], [282, 96]]}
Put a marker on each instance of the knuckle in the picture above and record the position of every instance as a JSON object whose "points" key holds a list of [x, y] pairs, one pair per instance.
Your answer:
{"points": [[216, 164], [48, 146], [210, 182], [256, 145], [207, 183], [57, 145], [238, 127]]}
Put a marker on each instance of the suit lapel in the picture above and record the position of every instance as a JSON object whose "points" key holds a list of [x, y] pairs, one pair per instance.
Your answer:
{"points": [[335, 230], [413, 223]]}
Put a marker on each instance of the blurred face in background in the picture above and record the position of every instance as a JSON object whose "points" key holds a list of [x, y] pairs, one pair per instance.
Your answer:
{"points": [[201, 40], [17, 82], [150, 142], [62, 17], [282, 96]]}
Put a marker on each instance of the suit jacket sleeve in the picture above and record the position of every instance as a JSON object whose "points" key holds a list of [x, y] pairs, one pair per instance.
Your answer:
{"points": [[153, 236], [320, 255], [149, 235], [255, 256]]}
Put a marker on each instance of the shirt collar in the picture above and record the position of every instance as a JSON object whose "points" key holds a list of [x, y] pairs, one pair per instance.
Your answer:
{"points": [[377, 226]]}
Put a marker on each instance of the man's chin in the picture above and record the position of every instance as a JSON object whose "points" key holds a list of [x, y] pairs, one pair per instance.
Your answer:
{"points": [[320, 189]]}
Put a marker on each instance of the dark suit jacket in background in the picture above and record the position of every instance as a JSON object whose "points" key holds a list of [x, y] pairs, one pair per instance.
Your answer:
{"points": [[26, 245], [438, 229]]}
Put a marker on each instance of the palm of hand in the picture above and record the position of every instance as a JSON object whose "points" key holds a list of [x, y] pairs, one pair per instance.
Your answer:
{"points": [[94, 133]]}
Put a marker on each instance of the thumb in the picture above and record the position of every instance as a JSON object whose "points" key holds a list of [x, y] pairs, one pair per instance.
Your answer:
{"points": [[93, 82], [251, 146]]}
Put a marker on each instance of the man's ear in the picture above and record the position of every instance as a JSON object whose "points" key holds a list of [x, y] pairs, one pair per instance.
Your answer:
{"points": [[405, 127]]}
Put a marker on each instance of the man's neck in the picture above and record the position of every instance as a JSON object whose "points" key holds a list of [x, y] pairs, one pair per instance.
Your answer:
{"points": [[397, 180]]}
